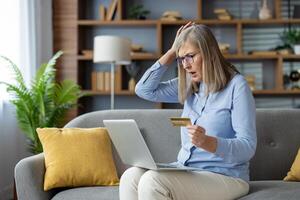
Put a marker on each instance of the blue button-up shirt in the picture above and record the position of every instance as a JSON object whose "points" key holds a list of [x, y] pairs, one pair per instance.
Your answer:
{"points": [[227, 115]]}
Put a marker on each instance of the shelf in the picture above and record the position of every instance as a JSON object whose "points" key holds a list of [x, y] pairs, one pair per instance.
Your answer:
{"points": [[81, 57], [276, 92], [88, 22], [121, 92], [250, 57], [144, 56], [139, 56], [262, 57], [249, 21], [150, 56], [269, 21], [117, 23], [218, 22], [291, 57]]}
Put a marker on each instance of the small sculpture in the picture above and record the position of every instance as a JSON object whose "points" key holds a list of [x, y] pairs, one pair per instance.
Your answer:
{"points": [[251, 81], [171, 15], [132, 70], [295, 76], [265, 12], [223, 14]]}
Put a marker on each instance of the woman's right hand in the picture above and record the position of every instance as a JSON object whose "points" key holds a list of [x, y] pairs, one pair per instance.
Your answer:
{"points": [[183, 27], [170, 55]]}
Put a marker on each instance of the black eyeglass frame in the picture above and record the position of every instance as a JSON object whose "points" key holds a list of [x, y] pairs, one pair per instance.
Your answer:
{"points": [[189, 58]]}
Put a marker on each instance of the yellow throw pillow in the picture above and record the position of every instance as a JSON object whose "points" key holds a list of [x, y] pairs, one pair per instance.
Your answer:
{"points": [[77, 157], [294, 173]]}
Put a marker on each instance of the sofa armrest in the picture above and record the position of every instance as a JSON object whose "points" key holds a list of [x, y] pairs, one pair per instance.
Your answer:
{"points": [[29, 179]]}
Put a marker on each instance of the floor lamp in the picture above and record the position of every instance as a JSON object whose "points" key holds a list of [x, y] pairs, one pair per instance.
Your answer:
{"points": [[114, 50]]}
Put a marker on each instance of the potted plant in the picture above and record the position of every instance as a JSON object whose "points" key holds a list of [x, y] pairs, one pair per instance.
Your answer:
{"points": [[292, 38], [44, 103], [137, 11]]}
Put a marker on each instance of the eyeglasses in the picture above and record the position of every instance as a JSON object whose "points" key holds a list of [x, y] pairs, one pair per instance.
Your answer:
{"points": [[187, 59]]}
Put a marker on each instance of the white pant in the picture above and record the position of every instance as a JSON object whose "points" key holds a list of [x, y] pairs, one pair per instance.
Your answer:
{"points": [[140, 184]]}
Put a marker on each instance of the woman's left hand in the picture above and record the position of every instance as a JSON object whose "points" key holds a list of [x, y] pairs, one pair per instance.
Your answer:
{"points": [[197, 135]]}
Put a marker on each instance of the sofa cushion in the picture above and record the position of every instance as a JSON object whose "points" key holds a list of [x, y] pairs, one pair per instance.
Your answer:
{"points": [[89, 193], [278, 139], [259, 190], [77, 157], [273, 190], [294, 173]]}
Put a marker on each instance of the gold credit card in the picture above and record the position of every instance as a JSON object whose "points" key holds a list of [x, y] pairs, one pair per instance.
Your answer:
{"points": [[180, 121]]}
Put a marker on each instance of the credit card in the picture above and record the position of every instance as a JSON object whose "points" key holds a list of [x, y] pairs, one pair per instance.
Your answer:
{"points": [[180, 121]]}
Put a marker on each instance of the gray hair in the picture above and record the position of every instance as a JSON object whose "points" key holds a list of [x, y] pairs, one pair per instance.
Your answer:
{"points": [[216, 71]]}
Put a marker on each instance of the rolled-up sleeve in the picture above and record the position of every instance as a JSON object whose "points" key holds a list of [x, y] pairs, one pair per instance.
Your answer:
{"points": [[151, 88], [242, 147]]}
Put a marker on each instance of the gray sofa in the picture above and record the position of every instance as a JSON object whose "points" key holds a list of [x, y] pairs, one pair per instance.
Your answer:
{"points": [[278, 141]]}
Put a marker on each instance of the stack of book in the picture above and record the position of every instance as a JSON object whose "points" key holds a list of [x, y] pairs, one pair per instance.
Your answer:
{"points": [[109, 13], [222, 14], [171, 15], [101, 81]]}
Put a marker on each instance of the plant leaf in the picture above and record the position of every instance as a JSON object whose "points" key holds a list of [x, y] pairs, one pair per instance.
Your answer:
{"points": [[42, 105]]}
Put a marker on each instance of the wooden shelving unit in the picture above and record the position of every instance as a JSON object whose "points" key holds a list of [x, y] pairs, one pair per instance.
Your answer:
{"points": [[181, 22], [255, 92], [68, 25], [117, 23], [276, 92], [120, 92], [141, 56]]}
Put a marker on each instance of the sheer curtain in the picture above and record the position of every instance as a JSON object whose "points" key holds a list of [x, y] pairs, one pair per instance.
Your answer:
{"points": [[27, 41]]}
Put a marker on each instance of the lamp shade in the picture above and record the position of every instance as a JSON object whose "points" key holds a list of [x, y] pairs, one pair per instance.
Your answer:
{"points": [[112, 49]]}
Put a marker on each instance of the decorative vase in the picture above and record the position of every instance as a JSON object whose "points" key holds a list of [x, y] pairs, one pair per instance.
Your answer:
{"points": [[131, 84], [297, 49], [295, 77], [265, 12]]}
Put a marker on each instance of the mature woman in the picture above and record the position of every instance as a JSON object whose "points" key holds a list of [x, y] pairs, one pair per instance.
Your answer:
{"points": [[222, 137]]}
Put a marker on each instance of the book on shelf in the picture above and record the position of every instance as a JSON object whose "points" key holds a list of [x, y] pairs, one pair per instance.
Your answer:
{"points": [[118, 78], [111, 10], [141, 54], [107, 81], [263, 53], [87, 53], [102, 12], [224, 17], [220, 10], [222, 14], [100, 81], [94, 80]]}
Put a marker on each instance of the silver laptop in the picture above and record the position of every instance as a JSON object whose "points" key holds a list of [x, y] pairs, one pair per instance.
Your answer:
{"points": [[132, 147]]}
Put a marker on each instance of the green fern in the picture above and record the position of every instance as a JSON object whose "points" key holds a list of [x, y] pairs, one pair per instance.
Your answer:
{"points": [[44, 103]]}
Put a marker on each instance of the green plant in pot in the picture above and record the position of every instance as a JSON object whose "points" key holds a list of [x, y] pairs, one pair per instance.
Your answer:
{"points": [[44, 103], [137, 11], [291, 38]]}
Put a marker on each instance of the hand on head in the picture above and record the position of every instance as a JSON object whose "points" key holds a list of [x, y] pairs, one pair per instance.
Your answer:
{"points": [[170, 55], [183, 27]]}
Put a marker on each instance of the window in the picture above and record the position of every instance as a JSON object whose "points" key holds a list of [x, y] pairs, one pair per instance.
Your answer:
{"points": [[9, 39]]}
